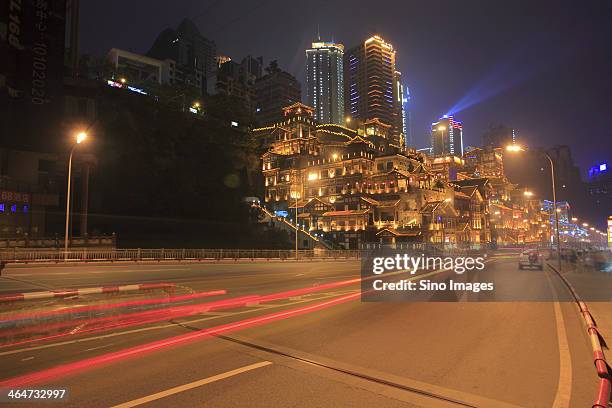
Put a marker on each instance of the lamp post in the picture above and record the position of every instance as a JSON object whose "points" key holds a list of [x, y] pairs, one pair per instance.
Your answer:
{"points": [[299, 183], [79, 139], [517, 148]]}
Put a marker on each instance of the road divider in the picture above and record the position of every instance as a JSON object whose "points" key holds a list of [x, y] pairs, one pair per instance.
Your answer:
{"points": [[598, 343], [15, 332], [83, 310], [85, 291]]}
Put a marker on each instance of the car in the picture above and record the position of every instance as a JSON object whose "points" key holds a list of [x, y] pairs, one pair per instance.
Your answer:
{"points": [[531, 258]]}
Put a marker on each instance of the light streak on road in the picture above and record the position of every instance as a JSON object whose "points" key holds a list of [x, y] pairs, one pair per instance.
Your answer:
{"points": [[108, 306], [57, 372]]}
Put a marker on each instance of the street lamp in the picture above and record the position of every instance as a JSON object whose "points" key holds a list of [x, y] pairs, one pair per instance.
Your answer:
{"points": [[80, 138], [297, 226], [528, 194], [514, 148]]}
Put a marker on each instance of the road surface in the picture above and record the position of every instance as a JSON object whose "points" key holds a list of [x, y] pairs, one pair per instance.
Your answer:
{"points": [[319, 349]]}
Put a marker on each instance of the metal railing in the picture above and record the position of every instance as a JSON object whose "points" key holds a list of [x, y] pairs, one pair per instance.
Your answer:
{"points": [[161, 254], [51, 243]]}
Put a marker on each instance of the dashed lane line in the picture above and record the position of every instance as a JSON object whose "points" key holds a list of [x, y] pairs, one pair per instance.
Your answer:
{"points": [[191, 385]]}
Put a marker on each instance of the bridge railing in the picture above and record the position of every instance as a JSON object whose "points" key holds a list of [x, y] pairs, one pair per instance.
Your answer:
{"points": [[167, 254]]}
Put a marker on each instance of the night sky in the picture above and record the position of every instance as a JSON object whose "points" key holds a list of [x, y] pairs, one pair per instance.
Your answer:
{"points": [[542, 67]]}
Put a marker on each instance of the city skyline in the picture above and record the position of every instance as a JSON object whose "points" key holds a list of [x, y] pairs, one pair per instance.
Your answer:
{"points": [[426, 55], [228, 203]]}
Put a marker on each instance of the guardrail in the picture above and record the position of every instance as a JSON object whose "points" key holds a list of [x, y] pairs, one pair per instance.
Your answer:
{"points": [[140, 254], [102, 241], [604, 372]]}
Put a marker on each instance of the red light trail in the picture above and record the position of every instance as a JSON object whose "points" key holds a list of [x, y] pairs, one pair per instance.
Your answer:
{"points": [[55, 373]]}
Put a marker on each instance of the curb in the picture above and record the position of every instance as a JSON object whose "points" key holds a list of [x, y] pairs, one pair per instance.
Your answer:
{"points": [[84, 291], [604, 372]]}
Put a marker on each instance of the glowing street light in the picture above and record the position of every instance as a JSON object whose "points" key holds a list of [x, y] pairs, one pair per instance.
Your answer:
{"points": [[574, 219], [441, 128], [80, 138], [528, 193], [585, 224], [514, 148], [334, 156], [123, 80]]}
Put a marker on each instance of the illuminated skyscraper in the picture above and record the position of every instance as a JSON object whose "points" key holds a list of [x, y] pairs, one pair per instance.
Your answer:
{"points": [[407, 116], [325, 81], [373, 87], [447, 137]]}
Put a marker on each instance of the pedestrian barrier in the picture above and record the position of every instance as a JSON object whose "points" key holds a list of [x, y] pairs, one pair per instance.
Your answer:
{"points": [[597, 344], [163, 254]]}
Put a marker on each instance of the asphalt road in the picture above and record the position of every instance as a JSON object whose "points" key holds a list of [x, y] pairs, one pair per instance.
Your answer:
{"points": [[321, 349]]}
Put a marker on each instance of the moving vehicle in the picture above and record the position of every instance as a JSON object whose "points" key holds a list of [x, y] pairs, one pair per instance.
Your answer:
{"points": [[531, 258]]}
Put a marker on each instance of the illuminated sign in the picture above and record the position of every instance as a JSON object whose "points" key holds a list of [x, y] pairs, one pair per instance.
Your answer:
{"points": [[13, 196], [598, 170], [610, 230], [137, 90], [115, 84]]}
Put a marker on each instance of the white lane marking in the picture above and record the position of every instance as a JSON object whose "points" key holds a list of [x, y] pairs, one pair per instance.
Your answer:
{"points": [[99, 347], [217, 315], [195, 384], [27, 358], [564, 387]]}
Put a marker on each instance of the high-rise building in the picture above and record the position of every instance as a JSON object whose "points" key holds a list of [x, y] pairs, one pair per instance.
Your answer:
{"points": [[600, 190], [274, 91], [447, 137], [373, 87], [499, 136], [32, 49], [325, 81], [238, 79], [194, 54], [407, 115], [253, 66], [139, 68]]}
